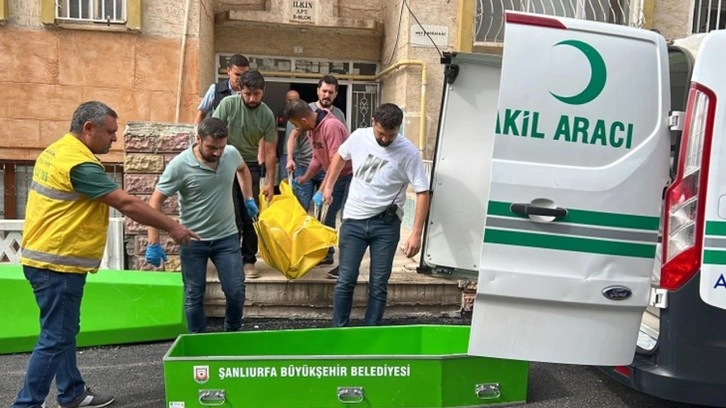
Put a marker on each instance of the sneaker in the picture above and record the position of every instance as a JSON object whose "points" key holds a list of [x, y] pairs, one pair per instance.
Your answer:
{"points": [[333, 273], [90, 399], [326, 261], [251, 272]]}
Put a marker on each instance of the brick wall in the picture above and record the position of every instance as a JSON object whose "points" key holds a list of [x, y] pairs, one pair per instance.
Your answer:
{"points": [[148, 147]]}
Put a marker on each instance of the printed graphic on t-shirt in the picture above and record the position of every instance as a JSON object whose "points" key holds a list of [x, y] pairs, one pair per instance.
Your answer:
{"points": [[370, 168]]}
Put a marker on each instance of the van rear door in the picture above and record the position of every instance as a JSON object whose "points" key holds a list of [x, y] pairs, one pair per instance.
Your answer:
{"points": [[695, 228], [579, 167]]}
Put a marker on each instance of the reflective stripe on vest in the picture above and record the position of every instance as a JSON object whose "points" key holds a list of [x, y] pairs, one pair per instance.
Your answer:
{"points": [[53, 193], [60, 259]]}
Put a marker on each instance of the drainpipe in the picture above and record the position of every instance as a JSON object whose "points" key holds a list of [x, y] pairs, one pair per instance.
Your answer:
{"points": [[182, 51], [348, 77]]}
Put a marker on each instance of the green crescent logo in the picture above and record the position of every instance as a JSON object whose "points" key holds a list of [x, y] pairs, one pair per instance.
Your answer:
{"points": [[598, 74]]}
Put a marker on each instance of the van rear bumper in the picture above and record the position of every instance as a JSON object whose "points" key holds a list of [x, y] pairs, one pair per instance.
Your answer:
{"points": [[689, 361], [659, 382]]}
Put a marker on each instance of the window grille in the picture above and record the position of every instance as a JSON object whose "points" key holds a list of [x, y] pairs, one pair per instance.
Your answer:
{"points": [[98, 11], [709, 15]]}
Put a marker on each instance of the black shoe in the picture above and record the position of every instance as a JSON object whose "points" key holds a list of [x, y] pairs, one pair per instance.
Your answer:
{"points": [[326, 261], [333, 273], [90, 400]]}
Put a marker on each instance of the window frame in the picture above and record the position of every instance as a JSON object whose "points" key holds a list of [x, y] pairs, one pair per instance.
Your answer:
{"points": [[133, 18]]}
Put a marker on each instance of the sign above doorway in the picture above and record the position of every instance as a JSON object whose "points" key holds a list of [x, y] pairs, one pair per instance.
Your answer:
{"points": [[303, 11]]}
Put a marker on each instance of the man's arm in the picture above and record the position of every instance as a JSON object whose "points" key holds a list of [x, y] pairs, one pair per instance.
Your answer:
{"points": [[199, 117], [244, 178], [157, 199], [270, 167], [291, 145], [331, 177], [312, 170], [335, 137], [270, 142], [142, 213], [261, 157], [413, 244], [205, 106]]}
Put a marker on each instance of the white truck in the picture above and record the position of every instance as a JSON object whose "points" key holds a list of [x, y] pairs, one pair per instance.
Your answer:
{"points": [[576, 153]]}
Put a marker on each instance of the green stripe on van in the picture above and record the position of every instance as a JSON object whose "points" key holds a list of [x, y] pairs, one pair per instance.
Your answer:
{"points": [[716, 228], [546, 241], [714, 257], [588, 217]]}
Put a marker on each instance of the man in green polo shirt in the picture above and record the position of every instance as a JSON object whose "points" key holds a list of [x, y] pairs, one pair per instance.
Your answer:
{"points": [[201, 176], [250, 122]]}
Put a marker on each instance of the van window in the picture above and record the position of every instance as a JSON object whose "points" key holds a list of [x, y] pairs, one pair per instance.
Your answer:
{"points": [[681, 67]]}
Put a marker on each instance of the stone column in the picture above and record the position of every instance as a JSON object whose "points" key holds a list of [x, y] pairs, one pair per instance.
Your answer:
{"points": [[148, 147]]}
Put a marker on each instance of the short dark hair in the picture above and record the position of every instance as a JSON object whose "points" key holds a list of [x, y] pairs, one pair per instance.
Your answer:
{"points": [[91, 111], [252, 80], [214, 127], [238, 60], [389, 116], [330, 80], [297, 109]]}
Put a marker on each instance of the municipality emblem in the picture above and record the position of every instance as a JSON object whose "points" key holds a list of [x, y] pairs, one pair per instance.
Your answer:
{"points": [[201, 374]]}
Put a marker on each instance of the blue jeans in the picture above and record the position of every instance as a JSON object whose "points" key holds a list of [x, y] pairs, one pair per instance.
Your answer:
{"points": [[355, 237], [225, 255], [340, 194], [282, 167], [305, 193], [59, 298]]}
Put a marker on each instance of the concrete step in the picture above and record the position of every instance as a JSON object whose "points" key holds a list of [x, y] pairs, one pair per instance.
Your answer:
{"points": [[272, 295]]}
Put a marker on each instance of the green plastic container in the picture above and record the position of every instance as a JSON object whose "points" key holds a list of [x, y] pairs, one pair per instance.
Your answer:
{"points": [[118, 307], [396, 366]]}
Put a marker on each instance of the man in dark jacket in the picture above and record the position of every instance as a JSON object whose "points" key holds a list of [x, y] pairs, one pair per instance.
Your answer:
{"points": [[236, 66]]}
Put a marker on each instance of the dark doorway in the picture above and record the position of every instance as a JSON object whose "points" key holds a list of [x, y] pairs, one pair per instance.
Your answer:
{"points": [[309, 93]]}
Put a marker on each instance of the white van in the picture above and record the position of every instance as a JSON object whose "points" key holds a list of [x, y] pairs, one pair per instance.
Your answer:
{"points": [[565, 152]]}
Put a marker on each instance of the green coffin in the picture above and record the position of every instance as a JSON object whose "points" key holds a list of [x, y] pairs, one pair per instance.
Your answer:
{"points": [[118, 307], [397, 366]]}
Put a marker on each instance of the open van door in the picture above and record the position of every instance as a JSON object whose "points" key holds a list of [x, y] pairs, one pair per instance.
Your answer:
{"points": [[695, 229], [579, 168]]}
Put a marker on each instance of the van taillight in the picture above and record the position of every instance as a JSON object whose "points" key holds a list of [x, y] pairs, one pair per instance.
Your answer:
{"points": [[686, 197]]}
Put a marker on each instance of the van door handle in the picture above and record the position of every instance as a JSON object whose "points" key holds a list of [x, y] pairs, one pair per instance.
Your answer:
{"points": [[529, 209]]}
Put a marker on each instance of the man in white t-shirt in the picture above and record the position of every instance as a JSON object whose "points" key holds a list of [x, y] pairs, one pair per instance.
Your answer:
{"points": [[384, 163]]}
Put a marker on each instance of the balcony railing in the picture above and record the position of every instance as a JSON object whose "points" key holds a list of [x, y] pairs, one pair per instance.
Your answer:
{"points": [[489, 21], [11, 234], [709, 15]]}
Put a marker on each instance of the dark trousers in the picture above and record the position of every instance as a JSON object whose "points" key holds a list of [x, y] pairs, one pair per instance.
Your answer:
{"points": [[244, 222]]}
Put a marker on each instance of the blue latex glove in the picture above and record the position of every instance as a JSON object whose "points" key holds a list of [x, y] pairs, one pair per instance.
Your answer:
{"points": [[318, 198], [252, 209], [154, 254]]}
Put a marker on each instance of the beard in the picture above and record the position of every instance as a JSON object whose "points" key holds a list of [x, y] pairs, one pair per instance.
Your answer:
{"points": [[384, 144], [253, 105], [326, 103], [207, 158]]}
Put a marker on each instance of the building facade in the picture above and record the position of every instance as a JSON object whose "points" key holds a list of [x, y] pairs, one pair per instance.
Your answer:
{"points": [[152, 60]]}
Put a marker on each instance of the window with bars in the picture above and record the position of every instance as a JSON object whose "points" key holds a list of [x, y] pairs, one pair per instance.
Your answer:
{"points": [[709, 15], [15, 184], [102, 11], [489, 18]]}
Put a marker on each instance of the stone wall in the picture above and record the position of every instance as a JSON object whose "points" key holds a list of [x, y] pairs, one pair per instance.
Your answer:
{"points": [[148, 148], [46, 71]]}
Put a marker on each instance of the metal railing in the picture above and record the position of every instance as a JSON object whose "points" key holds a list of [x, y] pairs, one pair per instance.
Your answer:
{"points": [[11, 234], [709, 15], [98, 11], [489, 18]]}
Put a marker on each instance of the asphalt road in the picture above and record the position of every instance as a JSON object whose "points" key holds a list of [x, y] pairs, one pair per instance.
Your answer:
{"points": [[133, 374]]}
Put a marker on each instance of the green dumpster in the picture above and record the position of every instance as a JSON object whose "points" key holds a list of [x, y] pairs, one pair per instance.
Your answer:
{"points": [[396, 366], [118, 307]]}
